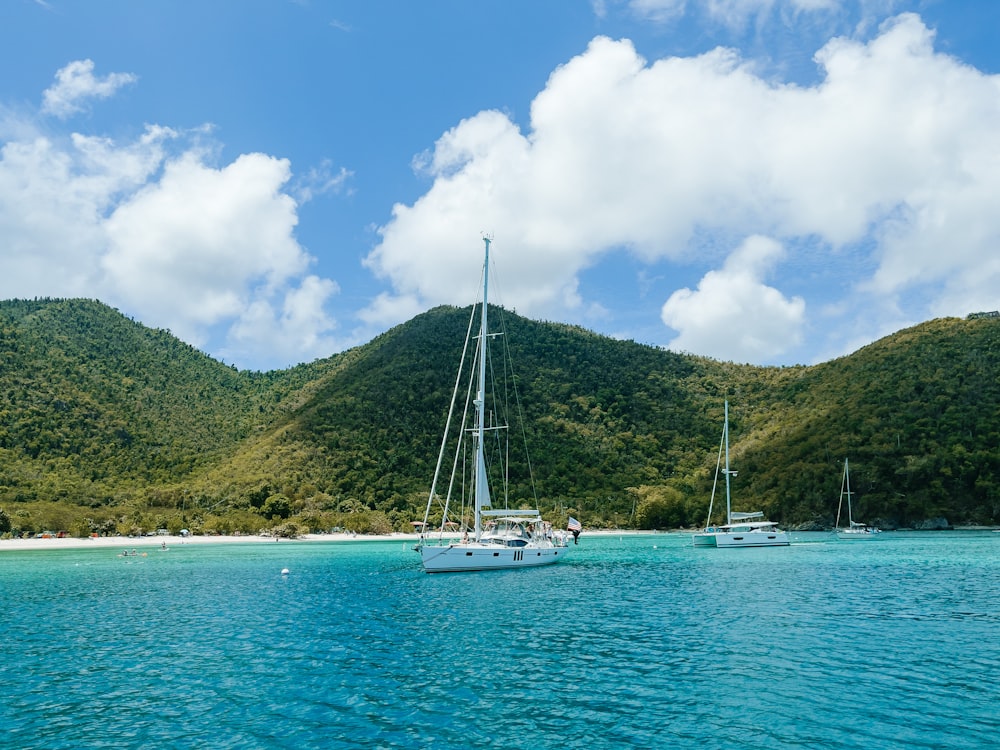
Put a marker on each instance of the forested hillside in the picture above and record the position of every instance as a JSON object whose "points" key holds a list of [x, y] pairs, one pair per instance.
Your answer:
{"points": [[108, 426], [917, 413]]}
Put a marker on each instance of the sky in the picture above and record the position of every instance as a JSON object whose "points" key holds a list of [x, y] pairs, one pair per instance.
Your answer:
{"points": [[774, 182]]}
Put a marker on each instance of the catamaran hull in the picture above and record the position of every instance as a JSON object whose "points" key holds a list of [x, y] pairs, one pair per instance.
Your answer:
{"points": [[742, 539], [460, 558]]}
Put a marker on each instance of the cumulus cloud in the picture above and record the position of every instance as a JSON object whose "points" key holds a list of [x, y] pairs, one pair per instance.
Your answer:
{"points": [[195, 245], [892, 153], [53, 201], [156, 228], [300, 331], [733, 314], [76, 84]]}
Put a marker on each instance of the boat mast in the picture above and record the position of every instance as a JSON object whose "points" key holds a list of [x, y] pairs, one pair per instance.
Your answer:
{"points": [[482, 487], [847, 483], [725, 429]]}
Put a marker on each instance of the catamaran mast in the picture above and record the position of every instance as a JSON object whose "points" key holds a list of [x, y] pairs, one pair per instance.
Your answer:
{"points": [[482, 486]]}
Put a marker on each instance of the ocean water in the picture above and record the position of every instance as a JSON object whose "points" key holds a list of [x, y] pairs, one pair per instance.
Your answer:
{"points": [[634, 641]]}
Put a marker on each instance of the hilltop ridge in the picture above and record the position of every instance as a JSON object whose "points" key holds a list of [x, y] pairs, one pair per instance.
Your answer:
{"points": [[109, 425]]}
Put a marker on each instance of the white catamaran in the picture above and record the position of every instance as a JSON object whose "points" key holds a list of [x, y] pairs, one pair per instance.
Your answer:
{"points": [[740, 529], [498, 538], [855, 531]]}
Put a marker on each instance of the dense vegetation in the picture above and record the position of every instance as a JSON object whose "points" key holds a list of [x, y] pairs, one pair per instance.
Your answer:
{"points": [[107, 426]]}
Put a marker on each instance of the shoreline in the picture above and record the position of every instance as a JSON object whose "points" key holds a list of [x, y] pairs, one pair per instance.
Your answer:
{"points": [[147, 543]]}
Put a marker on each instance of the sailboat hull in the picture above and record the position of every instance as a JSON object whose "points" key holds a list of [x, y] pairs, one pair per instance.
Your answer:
{"points": [[858, 536], [773, 538], [460, 558]]}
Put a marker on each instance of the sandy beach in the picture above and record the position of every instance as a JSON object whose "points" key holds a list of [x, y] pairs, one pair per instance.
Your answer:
{"points": [[147, 543]]}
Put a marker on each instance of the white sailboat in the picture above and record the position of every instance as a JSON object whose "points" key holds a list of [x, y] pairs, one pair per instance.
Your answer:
{"points": [[498, 538], [740, 529], [854, 530]]}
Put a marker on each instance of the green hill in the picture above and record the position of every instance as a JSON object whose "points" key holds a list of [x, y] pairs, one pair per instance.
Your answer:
{"points": [[106, 425]]}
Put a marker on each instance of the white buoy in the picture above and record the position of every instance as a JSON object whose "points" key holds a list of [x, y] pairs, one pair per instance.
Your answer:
{"points": [[284, 571]]}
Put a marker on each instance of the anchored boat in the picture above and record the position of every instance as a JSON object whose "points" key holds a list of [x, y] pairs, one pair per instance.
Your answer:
{"points": [[855, 531], [497, 537], [740, 529]]}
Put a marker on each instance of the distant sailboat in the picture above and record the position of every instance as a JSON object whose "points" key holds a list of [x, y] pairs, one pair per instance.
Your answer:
{"points": [[740, 529], [854, 531], [500, 538]]}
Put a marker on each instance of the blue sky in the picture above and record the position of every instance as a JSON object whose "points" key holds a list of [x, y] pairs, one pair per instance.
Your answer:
{"points": [[764, 181]]}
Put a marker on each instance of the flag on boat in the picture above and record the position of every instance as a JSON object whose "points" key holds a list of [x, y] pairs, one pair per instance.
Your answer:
{"points": [[573, 525]]}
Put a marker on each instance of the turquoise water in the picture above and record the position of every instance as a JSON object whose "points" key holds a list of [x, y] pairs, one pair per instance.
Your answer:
{"points": [[634, 641]]}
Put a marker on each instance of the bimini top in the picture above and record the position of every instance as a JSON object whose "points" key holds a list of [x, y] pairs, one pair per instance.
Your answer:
{"points": [[747, 516], [518, 515]]}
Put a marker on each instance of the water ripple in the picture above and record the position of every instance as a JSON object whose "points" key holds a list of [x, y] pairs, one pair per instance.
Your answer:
{"points": [[632, 642]]}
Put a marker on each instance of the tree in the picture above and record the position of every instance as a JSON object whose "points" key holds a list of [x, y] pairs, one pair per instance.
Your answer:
{"points": [[660, 507], [277, 506]]}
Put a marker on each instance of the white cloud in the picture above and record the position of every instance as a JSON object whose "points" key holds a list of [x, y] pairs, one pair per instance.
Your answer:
{"points": [[658, 11], [53, 200], [297, 332], [76, 84], [321, 179], [390, 307], [731, 13], [202, 244], [894, 152], [733, 314], [154, 228]]}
